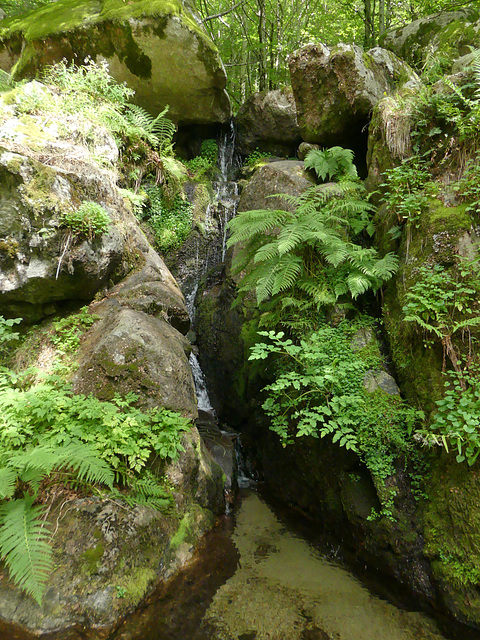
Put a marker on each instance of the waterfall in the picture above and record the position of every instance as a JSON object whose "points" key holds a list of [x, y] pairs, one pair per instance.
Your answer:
{"points": [[219, 212]]}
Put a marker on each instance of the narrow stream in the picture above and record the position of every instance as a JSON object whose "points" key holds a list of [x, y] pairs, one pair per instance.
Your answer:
{"points": [[263, 581]]}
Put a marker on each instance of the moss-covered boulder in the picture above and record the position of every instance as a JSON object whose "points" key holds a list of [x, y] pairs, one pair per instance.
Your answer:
{"points": [[109, 556], [157, 47], [444, 35], [45, 177], [335, 89], [131, 351], [268, 121]]}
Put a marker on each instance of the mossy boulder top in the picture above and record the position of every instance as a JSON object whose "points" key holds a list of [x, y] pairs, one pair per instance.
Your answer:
{"points": [[156, 47], [336, 88], [450, 35]]}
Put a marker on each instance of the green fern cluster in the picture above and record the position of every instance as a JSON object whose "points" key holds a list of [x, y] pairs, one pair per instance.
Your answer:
{"points": [[306, 255], [49, 434], [336, 163]]}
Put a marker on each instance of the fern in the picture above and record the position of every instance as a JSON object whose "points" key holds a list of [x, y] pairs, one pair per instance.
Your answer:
{"points": [[158, 131], [23, 537], [335, 163], [24, 546], [307, 251]]}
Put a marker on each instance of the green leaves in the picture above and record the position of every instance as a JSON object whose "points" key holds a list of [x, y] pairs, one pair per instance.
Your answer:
{"points": [[24, 546], [318, 391], [334, 163], [307, 254], [45, 430]]}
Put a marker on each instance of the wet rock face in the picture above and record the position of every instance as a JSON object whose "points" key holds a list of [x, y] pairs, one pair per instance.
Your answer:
{"points": [[336, 89], [162, 53], [268, 121]]}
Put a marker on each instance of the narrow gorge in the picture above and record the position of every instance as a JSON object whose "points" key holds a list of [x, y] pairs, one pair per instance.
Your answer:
{"points": [[239, 323]]}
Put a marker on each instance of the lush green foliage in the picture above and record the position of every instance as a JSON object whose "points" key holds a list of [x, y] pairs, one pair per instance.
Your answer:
{"points": [[318, 391], [48, 435], [305, 255], [336, 163], [205, 163], [444, 302], [456, 423], [170, 222], [89, 220]]}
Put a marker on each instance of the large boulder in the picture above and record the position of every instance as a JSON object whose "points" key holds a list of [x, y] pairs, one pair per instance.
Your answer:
{"points": [[159, 50], [450, 34], [336, 89], [284, 176], [109, 556], [268, 121], [129, 350]]}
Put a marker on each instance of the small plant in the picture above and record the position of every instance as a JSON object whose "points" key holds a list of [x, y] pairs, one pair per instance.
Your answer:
{"points": [[206, 162], [456, 422], [171, 223], [89, 220], [335, 163], [69, 330], [443, 303], [255, 157], [90, 78]]}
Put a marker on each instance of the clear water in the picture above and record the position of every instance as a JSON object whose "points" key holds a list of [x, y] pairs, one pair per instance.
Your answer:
{"points": [[261, 581], [284, 588]]}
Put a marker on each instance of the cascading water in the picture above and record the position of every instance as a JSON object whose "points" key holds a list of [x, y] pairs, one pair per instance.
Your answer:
{"points": [[212, 250]]}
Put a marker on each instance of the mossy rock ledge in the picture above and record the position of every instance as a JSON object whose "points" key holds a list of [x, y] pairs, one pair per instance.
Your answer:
{"points": [[157, 48]]}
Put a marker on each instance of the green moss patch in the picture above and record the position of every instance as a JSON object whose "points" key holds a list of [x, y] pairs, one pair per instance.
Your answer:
{"points": [[67, 15]]}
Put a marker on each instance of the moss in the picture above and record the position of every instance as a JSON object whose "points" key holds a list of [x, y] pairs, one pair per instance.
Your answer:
{"points": [[9, 247], [67, 15], [184, 532], [134, 586], [452, 543], [91, 559]]}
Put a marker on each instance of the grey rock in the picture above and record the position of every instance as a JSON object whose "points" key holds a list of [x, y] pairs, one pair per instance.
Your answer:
{"points": [[377, 379], [336, 88], [268, 121], [167, 59]]}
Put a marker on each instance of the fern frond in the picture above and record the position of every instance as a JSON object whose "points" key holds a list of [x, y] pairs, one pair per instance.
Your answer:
{"points": [[85, 463], [286, 273], [23, 545], [250, 223], [8, 479], [268, 251]]}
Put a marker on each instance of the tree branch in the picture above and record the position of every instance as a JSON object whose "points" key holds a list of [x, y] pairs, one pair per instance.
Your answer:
{"points": [[223, 13]]}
